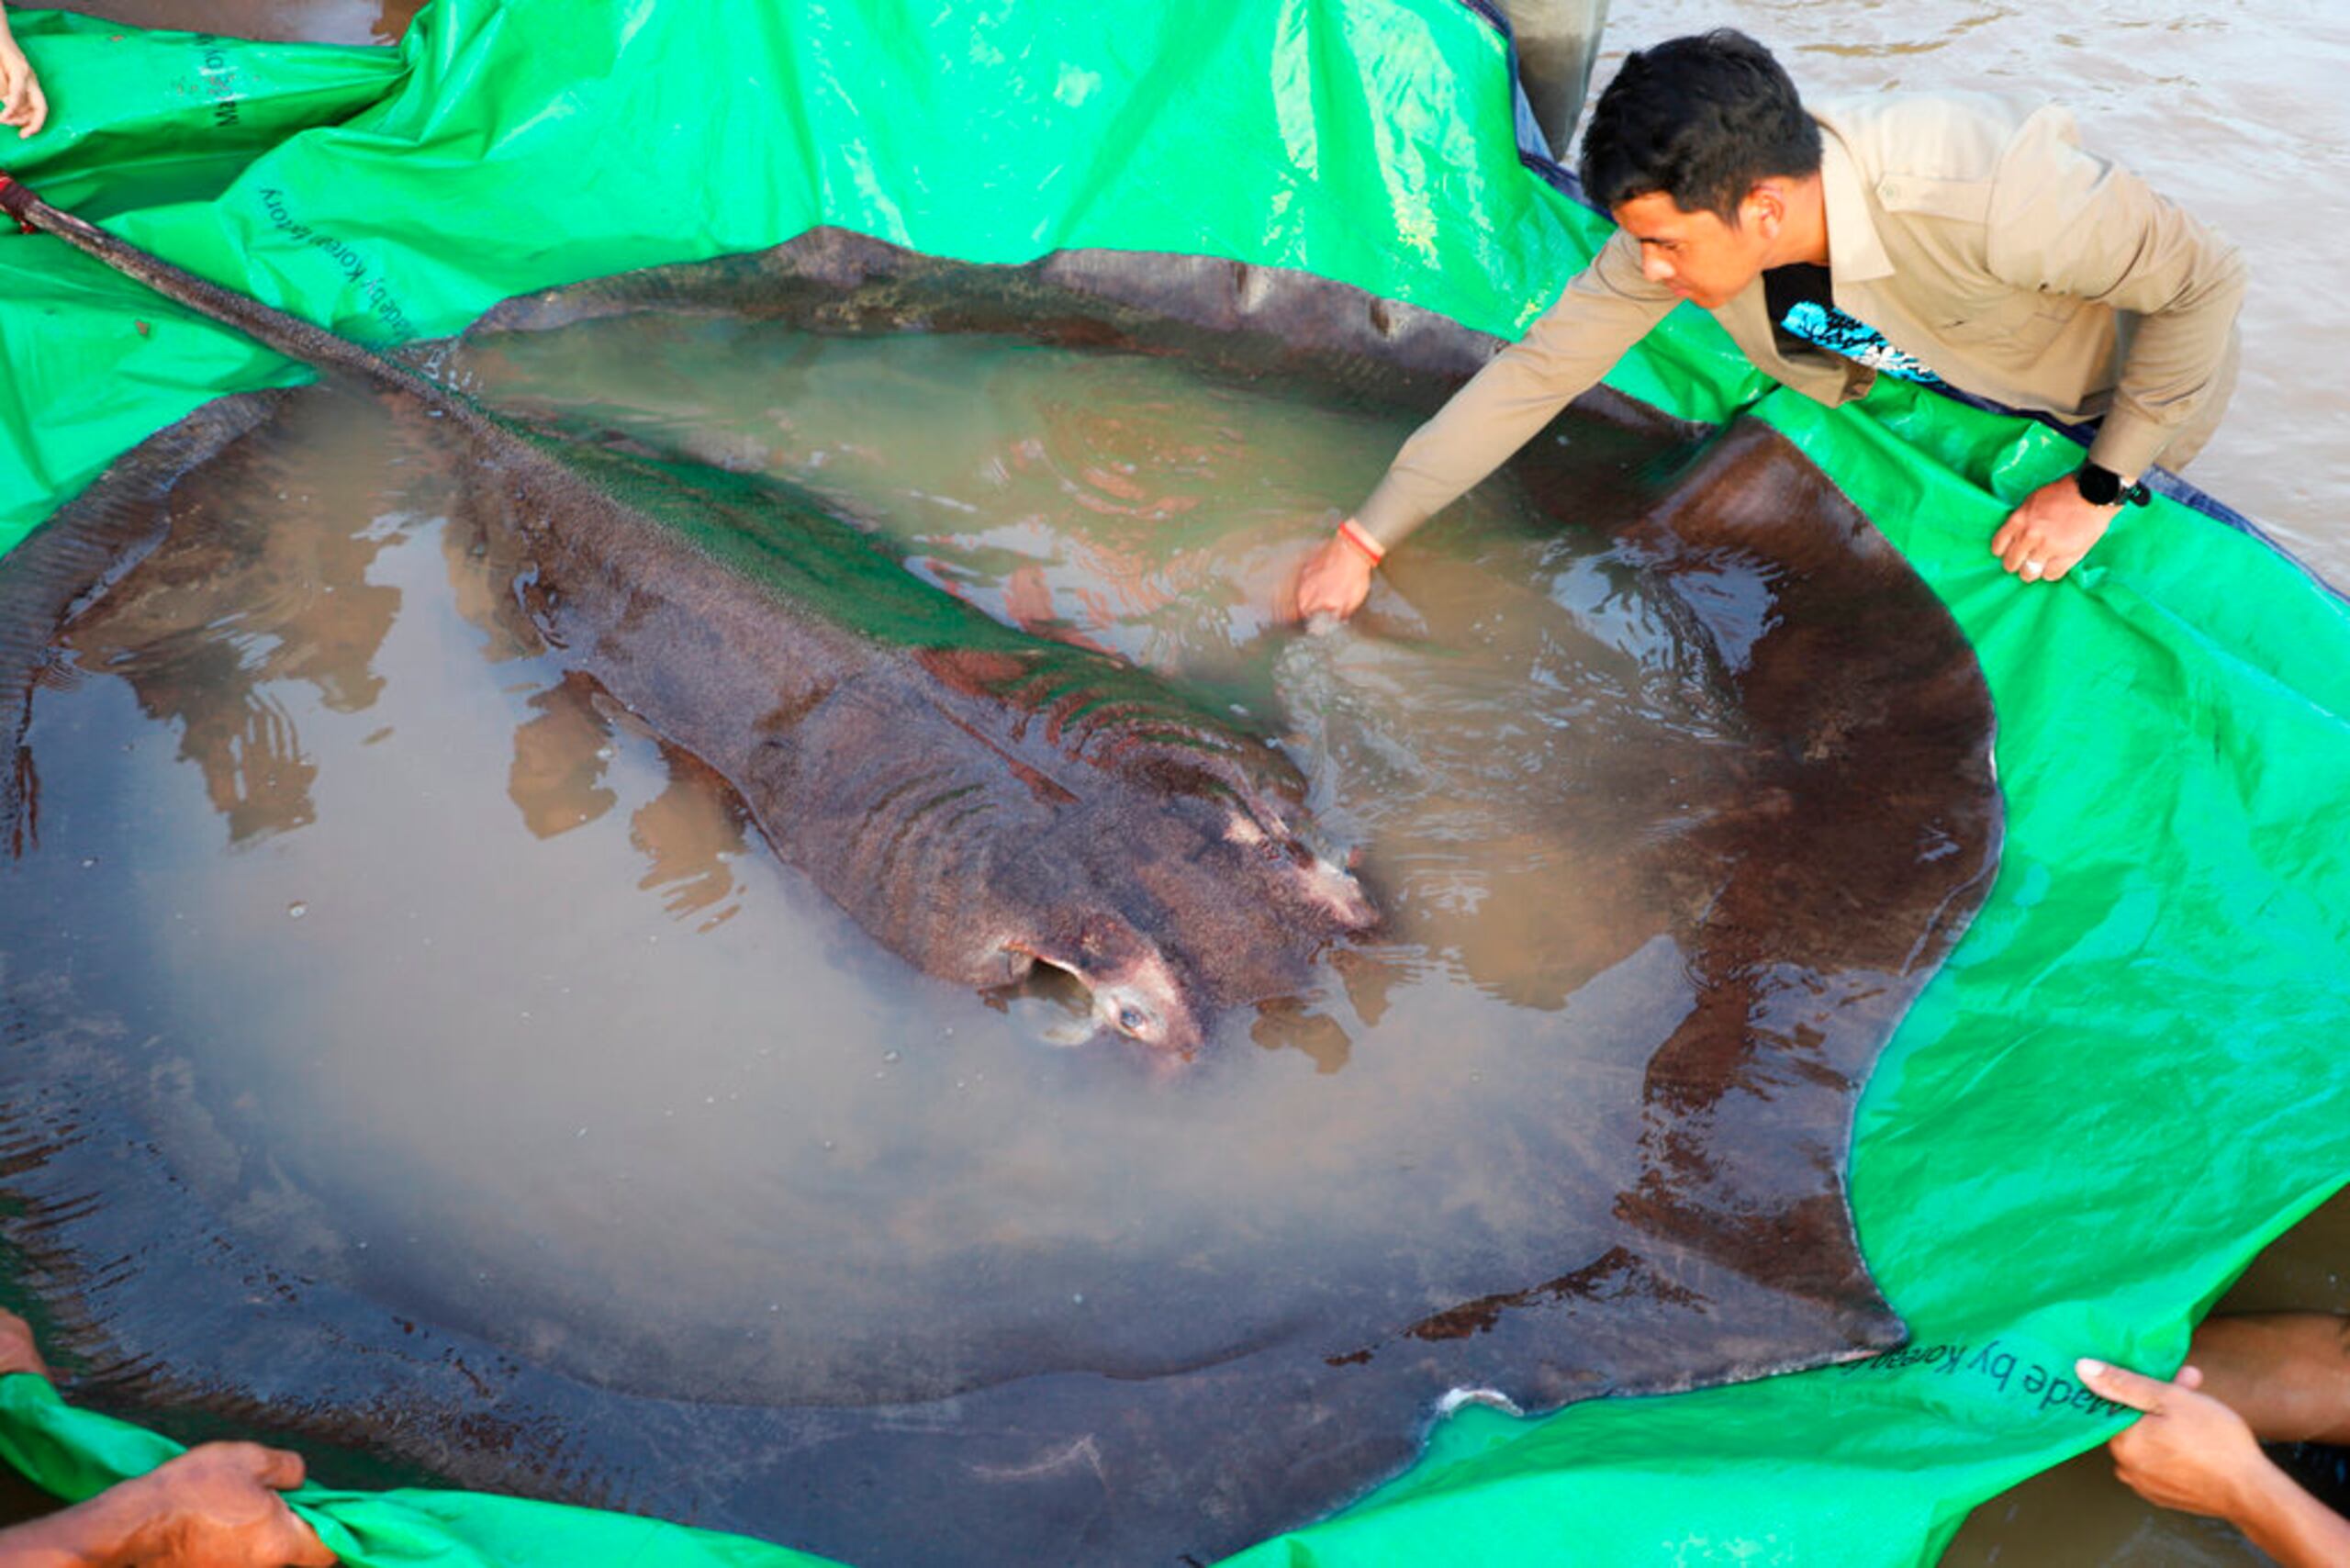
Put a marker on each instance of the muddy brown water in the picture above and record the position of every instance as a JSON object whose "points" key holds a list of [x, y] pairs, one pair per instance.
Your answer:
{"points": [[346, 861], [2193, 102], [419, 976]]}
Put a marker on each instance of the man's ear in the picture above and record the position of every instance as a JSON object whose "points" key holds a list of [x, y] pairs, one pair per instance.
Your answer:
{"points": [[1765, 208]]}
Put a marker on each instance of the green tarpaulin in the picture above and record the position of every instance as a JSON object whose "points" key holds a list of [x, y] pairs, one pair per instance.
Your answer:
{"points": [[2120, 1086]]}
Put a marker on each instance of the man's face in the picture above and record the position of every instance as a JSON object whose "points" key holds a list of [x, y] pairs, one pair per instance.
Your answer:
{"points": [[1696, 254]]}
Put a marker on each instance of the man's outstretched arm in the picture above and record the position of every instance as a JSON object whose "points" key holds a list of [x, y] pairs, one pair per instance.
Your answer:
{"points": [[1609, 307]]}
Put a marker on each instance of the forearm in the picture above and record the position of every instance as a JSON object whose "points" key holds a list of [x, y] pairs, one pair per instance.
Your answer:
{"points": [[2066, 222], [2287, 1373], [1606, 309], [2292, 1527], [1498, 411], [2178, 363], [99, 1533]]}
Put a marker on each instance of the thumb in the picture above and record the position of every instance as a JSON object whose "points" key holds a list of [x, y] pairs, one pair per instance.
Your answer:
{"points": [[295, 1542], [2122, 1385], [304, 1550]]}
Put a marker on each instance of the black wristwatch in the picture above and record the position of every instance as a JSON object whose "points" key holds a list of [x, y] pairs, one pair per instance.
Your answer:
{"points": [[2103, 488]]}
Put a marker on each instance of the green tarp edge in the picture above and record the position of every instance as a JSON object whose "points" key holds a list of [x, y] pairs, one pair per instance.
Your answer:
{"points": [[2118, 1089]]}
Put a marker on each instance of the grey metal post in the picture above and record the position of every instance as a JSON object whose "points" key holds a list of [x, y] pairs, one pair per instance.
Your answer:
{"points": [[1557, 41]]}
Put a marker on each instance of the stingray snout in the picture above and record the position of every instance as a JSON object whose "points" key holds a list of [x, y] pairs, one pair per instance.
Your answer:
{"points": [[1132, 988], [1149, 1005]]}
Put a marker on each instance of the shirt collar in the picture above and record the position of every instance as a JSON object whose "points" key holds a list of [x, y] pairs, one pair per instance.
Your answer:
{"points": [[1855, 254]]}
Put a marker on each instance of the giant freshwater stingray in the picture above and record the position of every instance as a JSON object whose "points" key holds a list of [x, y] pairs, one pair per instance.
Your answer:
{"points": [[1819, 895]]}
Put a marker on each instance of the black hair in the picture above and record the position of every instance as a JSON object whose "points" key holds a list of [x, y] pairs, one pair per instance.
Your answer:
{"points": [[1701, 119]]}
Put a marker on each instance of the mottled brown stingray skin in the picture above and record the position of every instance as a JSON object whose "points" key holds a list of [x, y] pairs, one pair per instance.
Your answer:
{"points": [[979, 801], [1830, 890]]}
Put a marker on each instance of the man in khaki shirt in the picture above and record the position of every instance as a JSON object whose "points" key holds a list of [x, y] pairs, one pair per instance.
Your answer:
{"points": [[1964, 240]]}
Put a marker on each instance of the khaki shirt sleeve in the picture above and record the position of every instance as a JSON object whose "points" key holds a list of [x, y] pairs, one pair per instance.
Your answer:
{"points": [[1609, 307], [2064, 222]]}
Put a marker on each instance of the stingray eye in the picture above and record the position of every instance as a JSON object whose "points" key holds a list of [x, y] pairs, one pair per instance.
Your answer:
{"points": [[1133, 1019]]}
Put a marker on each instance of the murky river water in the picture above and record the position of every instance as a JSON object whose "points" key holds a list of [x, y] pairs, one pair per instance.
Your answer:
{"points": [[343, 860], [2214, 107], [424, 976]]}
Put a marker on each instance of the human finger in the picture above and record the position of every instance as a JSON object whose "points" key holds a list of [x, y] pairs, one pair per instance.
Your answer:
{"points": [[2027, 554], [1329, 583], [1350, 598], [279, 1535], [19, 1352], [1335, 601], [40, 117], [1298, 593], [2008, 542], [2122, 1385], [280, 1469]]}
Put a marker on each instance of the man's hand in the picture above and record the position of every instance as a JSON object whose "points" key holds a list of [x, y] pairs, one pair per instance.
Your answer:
{"points": [[2046, 537], [214, 1506], [2189, 1451], [218, 1506], [21, 103], [1335, 580], [17, 1351]]}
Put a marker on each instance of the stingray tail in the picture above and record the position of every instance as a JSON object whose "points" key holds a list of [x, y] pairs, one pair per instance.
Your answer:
{"points": [[289, 335]]}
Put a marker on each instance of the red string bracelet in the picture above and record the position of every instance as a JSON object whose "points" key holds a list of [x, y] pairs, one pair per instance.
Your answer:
{"points": [[1351, 531]]}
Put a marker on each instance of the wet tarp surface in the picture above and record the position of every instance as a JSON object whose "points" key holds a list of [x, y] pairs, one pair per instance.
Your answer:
{"points": [[2118, 1089]]}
